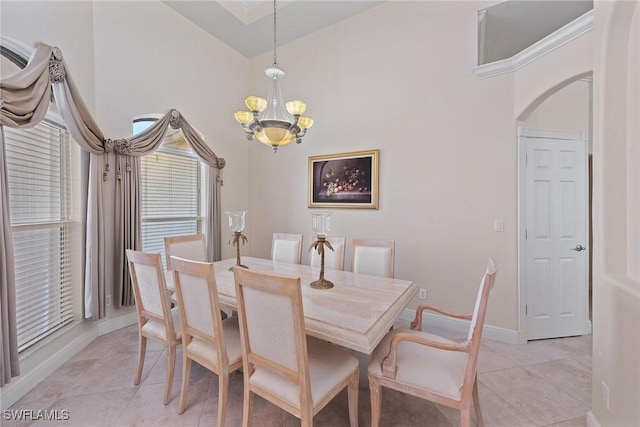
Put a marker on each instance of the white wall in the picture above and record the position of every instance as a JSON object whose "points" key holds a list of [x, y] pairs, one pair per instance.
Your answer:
{"points": [[566, 110], [67, 25], [633, 151], [384, 79], [616, 288], [546, 75]]}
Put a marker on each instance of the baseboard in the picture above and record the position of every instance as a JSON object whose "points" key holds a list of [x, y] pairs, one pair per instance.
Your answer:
{"points": [[110, 325], [458, 325], [21, 385], [591, 420], [587, 327]]}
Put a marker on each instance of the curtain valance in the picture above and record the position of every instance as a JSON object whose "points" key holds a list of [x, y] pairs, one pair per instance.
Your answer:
{"points": [[25, 97]]}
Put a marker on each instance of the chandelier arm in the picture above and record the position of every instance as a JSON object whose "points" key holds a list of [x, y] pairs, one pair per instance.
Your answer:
{"points": [[294, 129]]}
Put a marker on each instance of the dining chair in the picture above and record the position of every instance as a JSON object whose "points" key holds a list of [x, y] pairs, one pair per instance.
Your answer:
{"points": [[296, 372], [333, 259], [431, 367], [156, 319], [191, 246], [375, 257], [286, 248], [207, 339]]}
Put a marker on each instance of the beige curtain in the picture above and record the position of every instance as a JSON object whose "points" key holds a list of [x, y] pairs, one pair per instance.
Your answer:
{"points": [[128, 197], [9, 366], [25, 100]]}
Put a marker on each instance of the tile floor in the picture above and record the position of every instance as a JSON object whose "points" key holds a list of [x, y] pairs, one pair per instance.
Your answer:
{"points": [[542, 383]]}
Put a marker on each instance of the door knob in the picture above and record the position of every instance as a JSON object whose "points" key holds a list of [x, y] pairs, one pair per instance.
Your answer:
{"points": [[578, 248]]}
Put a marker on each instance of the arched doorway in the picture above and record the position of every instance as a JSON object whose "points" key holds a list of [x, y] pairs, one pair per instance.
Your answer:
{"points": [[554, 211]]}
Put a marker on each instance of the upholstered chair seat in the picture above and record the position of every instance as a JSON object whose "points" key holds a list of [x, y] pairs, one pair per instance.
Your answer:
{"points": [[206, 350], [328, 366], [158, 329], [422, 366]]}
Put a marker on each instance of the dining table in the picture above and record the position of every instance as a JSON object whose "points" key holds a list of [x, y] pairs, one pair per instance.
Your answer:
{"points": [[356, 313]]}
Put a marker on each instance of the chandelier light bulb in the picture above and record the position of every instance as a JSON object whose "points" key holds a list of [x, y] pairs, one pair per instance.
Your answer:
{"points": [[255, 103], [296, 107], [243, 117], [305, 122]]}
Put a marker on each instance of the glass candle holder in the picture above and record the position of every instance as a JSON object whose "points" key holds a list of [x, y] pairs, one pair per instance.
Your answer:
{"points": [[236, 220], [321, 223], [236, 224]]}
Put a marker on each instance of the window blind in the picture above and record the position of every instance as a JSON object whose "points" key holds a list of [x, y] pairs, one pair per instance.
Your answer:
{"points": [[41, 165], [172, 202]]}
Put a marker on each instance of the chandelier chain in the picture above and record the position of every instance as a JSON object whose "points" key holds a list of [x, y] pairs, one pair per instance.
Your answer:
{"points": [[275, 39]]}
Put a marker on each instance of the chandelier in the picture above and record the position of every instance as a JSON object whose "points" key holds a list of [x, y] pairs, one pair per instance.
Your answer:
{"points": [[271, 121]]}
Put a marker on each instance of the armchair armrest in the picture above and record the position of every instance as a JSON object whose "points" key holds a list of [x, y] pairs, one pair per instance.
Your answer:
{"points": [[417, 322], [389, 363]]}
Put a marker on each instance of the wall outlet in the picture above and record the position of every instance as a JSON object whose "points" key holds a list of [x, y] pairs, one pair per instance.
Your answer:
{"points": [[605, 394], [498, 225], [108, 300], [423, 294]]}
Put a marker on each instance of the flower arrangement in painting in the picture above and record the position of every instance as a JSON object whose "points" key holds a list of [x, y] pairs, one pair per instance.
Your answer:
{"points": [[350, 179]]}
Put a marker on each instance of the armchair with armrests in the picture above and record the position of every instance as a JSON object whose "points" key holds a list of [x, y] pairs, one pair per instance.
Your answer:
{"points": [[431, 367]]}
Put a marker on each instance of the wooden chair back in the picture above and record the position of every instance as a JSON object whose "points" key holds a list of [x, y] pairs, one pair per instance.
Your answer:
{"points": [[477, 324], [286, 248], [197, 297], [272, 327], [156, 319], [333, 259], [207, 340], [375, 257], [150, 289], [191, 246]]}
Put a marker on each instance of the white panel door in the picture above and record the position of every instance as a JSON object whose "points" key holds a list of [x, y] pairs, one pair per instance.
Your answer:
{"points": [[555, 258]]}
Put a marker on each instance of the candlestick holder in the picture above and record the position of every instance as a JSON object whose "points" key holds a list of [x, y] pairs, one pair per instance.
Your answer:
{"points": [[236, 224], [321, 222]]}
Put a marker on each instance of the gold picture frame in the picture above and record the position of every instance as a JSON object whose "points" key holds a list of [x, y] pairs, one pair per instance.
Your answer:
{"points": [[344, 180]]}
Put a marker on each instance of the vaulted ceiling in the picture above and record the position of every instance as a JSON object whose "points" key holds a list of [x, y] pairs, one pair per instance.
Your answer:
{"points": [[247, 25]]}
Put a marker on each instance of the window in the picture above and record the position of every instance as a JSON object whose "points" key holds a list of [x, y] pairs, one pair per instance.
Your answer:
{"points": [[43, 169], [172, 193]]}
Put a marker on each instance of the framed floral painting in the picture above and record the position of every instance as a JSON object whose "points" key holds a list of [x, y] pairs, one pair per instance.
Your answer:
{"points": [[345, 180]]}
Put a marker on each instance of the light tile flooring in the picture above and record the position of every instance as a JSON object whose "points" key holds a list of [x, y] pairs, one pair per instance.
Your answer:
{"points": [[542, 383]]}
